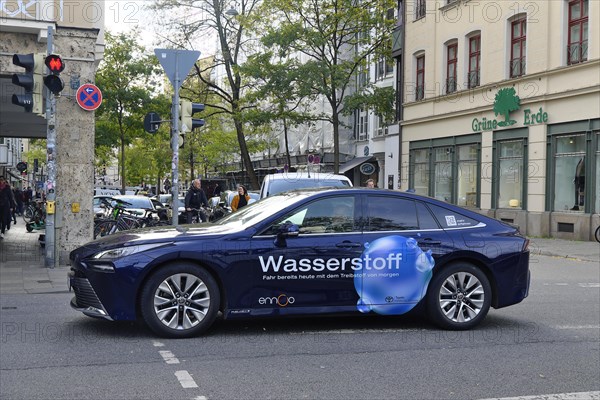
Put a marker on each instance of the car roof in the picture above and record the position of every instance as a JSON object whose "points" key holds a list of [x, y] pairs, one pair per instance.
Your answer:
{"points": [[305, 175]]}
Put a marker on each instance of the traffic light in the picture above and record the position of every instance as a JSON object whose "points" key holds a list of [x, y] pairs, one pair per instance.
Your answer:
{"points": [[55, 66], [186, 110], [31, 80]]}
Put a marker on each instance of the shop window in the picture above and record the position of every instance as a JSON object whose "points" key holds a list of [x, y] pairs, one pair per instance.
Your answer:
{"points": [[518, 49], [569, 172], [451, 62], [443, 173], [474, 60], [577, 48], [597, 205], [510, 173], [421, 171], [467, 175]]}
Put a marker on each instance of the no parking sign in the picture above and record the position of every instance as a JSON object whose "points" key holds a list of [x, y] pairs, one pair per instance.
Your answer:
{"points": [[89, 97]]}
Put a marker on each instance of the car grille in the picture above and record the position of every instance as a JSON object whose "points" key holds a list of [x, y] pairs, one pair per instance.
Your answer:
{"points": [[85, 294]]}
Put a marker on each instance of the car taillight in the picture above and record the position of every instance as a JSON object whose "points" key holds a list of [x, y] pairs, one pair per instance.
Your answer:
{"points": [[526, 245]]}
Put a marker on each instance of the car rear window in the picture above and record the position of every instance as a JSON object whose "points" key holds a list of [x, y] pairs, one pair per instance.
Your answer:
{"points": [[282, 185], [451, 219]]}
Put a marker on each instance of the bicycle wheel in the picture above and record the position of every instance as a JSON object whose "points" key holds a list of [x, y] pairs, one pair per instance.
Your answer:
{"points": [[104, 228], [597, 234], [28, 213]]}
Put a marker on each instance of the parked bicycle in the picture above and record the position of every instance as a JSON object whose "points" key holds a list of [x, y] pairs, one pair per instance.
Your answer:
{"points": [[121, 219]]}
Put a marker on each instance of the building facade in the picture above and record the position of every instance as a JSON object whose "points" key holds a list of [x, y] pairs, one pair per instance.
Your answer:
{"points": [[501, 110], [76, 30]]}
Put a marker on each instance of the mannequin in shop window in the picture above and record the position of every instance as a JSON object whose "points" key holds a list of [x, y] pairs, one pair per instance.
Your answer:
{"points": [[579, 184]]}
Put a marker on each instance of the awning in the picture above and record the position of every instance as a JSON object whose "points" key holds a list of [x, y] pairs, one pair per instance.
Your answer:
{"points": [[355, 162]]}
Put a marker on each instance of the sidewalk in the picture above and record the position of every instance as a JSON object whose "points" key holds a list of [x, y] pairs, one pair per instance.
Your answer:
{"points": [[22, 258]]}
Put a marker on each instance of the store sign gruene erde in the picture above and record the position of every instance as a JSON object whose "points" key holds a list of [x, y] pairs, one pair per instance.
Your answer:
{"points": [[505, 102]]}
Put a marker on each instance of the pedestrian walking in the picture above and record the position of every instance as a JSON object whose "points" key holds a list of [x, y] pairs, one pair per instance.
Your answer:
{"points": [[241, 199], [7, 204]]}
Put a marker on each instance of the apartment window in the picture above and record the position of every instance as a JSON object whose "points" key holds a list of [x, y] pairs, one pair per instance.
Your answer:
{"points": [[419, 9], [420, 89], [382, 126], [474, 60], [383, 69], [451, 62], [518, 48], [363, 76], [363, 125], [577, 48]]}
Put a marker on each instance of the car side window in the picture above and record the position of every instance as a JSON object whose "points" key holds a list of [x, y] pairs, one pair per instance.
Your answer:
{"points": [[451, 219], [426, 219], [386, 213], [328, 215]]}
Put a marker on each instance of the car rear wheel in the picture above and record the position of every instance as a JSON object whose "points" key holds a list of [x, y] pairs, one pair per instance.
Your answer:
{"points": [[459, 297], [180, 300]]}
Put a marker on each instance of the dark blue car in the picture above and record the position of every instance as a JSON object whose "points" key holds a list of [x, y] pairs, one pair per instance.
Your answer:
{"points": [[307, 252]]}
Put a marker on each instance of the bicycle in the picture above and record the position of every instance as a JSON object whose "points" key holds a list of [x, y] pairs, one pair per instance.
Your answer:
{"points": [[597, 234]]}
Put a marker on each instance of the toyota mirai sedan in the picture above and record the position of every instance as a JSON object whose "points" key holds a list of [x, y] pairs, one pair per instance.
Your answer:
{"points": [[307, 252]]}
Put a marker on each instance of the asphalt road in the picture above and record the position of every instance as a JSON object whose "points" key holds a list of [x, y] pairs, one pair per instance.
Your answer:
{"points": [[549, 344]]}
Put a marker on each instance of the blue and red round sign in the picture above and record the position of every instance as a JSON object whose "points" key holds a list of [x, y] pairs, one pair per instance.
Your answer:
{"points": [[89, 97]]}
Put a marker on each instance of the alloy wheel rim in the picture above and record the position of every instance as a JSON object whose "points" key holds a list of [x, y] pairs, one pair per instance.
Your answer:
{"points": [[461, 297], [181, 301]]}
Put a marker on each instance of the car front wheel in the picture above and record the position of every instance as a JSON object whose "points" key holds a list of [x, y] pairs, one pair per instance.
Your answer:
{"points": [[180, 300], [459, 297]]}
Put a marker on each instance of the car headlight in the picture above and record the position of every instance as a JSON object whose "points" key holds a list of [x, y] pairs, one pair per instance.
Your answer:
{"points": [[124, 251]]}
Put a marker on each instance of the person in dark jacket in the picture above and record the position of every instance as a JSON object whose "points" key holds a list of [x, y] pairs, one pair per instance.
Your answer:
{"points": [[194, 199], [7, 205]]}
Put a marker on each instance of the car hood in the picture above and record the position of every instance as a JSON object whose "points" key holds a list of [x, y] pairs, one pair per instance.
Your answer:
{"points": [[152, 235]]}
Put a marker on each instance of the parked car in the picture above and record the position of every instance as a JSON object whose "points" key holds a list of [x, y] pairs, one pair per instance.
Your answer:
{"points": [[307, 252], [138, 204], [282, 182]]}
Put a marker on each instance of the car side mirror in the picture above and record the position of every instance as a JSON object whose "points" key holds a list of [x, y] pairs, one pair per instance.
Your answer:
{"points": [[286, 230]]}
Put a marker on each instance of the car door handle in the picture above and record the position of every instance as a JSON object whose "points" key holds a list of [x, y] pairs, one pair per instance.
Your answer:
{"points": [[429, 242], [348, 245]]}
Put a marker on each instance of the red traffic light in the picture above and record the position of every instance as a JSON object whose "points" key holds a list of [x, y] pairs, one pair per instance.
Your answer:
{"points": [[54, 63]]}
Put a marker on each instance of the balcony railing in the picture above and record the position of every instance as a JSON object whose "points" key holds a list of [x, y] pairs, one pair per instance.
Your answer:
{"points": [[473, 79], [577, 52], [419, 92], [517, 67], [450, 85]]}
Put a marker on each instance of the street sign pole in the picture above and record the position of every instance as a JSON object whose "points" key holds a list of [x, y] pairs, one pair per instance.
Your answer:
{"points": [[51, 245], [177, 65], [175, 146]]}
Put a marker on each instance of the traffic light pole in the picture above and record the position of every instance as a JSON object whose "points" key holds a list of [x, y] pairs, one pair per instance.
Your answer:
{"points": [[51, 245], [175, 145]]}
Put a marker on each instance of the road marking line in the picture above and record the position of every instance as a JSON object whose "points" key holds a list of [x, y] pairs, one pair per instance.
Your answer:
{"points": [[156, 343], [577, 327], [185, 379], [589, 284], [169, 357], [557, 396]]}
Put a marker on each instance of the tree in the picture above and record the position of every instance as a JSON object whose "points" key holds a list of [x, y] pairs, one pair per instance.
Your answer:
{"points": [[505, 102], [187, 19], [336, 38], [125, 80]]}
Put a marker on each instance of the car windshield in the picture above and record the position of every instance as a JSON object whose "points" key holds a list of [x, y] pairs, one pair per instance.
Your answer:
{"points": [[133, 202], [260, 210], [284, 185]]}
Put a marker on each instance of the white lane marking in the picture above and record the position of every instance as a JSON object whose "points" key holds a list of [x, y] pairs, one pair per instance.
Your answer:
{"points": [[200, 398], [577, 327], [169, 357], [185, 379], [156, 343], [589, 284], [556, 396], [561, 284]]}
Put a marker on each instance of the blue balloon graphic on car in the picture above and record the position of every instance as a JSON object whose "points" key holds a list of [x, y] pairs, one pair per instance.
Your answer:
{"points": [[394, 277]]}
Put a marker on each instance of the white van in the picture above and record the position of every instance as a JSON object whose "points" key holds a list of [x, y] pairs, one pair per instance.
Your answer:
{"points": [[282, 182]]}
